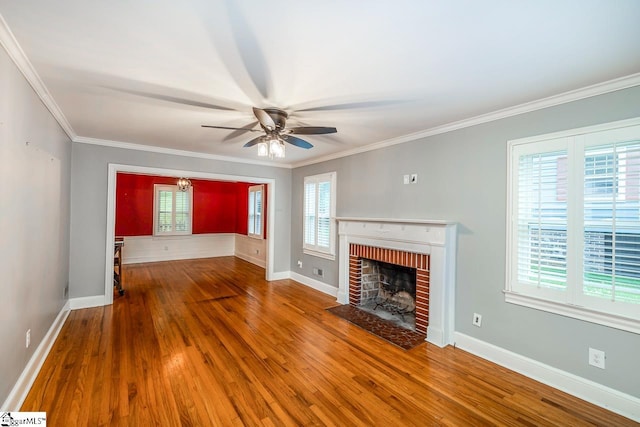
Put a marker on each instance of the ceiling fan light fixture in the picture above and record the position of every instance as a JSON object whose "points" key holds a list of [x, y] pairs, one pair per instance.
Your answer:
{"points": [[263, 149], [276, 148], [271, 147]]}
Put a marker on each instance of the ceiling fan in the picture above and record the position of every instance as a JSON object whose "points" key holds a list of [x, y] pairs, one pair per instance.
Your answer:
{"points": [[273, 124]]}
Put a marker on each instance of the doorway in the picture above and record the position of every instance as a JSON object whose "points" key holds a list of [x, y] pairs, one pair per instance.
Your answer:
{"points": [[114, 169]]}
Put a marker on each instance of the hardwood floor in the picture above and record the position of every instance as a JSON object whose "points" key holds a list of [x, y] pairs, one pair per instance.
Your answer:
{"points": [[210, 342]]}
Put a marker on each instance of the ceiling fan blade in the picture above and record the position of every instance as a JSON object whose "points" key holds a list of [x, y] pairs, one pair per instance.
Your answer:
{"points": [[230, 128], [264, 118], [354, 105], [253, 142], [312, 130], [242, 131], [297, 141], [174, 99]]}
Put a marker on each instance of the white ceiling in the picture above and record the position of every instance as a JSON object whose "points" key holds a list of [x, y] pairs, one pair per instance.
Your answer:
{"points": [[151, 72]]}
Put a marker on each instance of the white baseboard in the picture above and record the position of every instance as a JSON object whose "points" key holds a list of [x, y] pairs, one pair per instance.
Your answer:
{"points": [[86, 302], [315, 284], [279, 275], [25, 381], [435, 336], [253, 260], [605, 397]]}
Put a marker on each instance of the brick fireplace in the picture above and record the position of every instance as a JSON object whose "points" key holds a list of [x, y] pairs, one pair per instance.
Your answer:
{"points": [[357, 253], [427, 246]]}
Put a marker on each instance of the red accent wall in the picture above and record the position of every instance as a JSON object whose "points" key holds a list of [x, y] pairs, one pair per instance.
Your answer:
{"points": [[218, 206]]}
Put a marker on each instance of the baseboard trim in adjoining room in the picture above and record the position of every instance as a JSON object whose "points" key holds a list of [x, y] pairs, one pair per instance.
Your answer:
{"points": [[598, 394], [253, 260], [21, 388]]}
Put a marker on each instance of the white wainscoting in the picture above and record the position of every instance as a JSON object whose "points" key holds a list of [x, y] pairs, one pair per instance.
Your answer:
{"points": [[166, 248], [251, 249], [139, 249]]}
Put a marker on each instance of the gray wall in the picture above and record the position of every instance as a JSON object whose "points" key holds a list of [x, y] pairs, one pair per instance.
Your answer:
{"points": [[462, 177], [89, 206], [34, 221]]}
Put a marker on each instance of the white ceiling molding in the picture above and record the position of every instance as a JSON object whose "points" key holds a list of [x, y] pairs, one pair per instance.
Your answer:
{"points": [[551, 101], [17, 55], [563, 98], [174, 152]]}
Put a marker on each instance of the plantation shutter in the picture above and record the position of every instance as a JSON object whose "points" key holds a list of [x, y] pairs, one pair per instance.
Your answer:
{"points": [[633, 174], [252, 212], [172, 210], [611, 251], [255, 211], [258, 212], [324, 214], [562, 183], [165, 211], [541, 222], [310, 213], [319, 213], [182, 211]]}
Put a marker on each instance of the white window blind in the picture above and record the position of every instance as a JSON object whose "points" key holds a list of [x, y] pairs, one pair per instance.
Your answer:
{"points": [[255, 211], [172, 210], [541, 221], [611, 254], [573, 239], [319, 215]]}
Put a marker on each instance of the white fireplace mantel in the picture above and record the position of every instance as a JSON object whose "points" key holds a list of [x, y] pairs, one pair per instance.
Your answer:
{"points": [[432, 237]]}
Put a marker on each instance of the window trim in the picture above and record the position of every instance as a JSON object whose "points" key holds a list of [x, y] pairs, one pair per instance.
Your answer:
{"points": [[174, 189], [315, 250], [255, 189], [570, 303]]}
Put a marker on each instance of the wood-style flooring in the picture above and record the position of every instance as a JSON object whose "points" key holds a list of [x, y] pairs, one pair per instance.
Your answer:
{"points": [[210, 342]]}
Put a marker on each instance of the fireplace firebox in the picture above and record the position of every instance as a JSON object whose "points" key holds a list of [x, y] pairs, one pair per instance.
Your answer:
{"points": [[397, 287]]}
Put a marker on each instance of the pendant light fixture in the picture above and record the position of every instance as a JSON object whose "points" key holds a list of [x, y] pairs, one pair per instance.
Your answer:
{"points": [[184, 184]]}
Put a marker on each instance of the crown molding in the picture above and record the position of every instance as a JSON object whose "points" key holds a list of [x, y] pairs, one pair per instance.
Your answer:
{"points": [[17, 55], [563, 98], [174, 152]]}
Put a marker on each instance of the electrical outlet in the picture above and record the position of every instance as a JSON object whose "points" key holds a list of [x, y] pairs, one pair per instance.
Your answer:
{"points": [[414, 178], [318, 271], [299, 264], [28, 338], [596, 358], [257, 251], [477, 319], [406, 179]]}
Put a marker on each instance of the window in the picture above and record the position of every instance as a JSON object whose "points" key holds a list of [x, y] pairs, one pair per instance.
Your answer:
{"points": [[172, 210], [319, 215], [255, 211], [573, 241]]}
